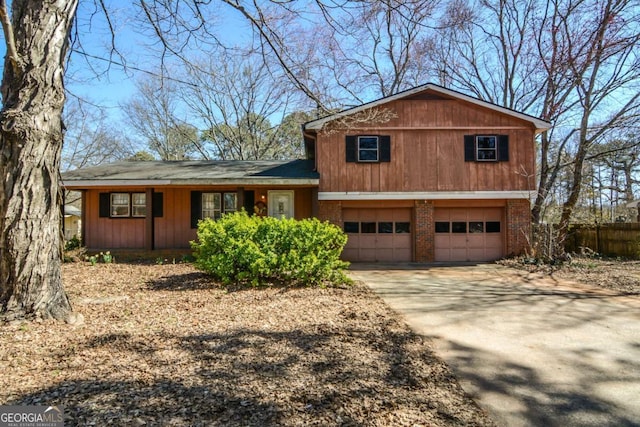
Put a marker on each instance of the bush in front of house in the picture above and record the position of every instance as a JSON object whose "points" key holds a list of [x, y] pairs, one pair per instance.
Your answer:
{"points": [[243, 249]]}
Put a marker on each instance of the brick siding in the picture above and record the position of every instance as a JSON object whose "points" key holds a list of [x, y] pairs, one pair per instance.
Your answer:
{"points": [[518, 227], [424, 231]]}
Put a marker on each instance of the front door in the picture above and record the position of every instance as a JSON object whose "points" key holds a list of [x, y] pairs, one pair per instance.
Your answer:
{"points": [[281, 203]]}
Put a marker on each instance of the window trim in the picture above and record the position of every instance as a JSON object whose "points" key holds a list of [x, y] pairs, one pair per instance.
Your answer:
{"points": [[130, 205], [376, 150], [488, 150], [221, 210]]}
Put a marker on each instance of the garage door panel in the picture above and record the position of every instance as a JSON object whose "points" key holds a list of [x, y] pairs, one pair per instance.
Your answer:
{"points": [[385, 242], [478, 241]]}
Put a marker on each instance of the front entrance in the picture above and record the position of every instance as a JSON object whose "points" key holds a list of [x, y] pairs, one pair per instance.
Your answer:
{"points": [[377, 234], [281, 203]]}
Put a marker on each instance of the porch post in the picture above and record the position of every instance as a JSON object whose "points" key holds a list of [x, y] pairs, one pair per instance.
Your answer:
{"points": [[148, 220]]}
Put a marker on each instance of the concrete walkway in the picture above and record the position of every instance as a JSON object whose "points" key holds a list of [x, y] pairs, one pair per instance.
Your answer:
{"points": [[530, 350]]}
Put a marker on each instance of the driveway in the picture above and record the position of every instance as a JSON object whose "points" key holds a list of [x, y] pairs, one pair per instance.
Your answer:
{"points": [[531, 350]]}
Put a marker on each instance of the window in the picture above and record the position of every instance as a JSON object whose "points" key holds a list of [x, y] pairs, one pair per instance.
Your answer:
{"points": [[367, 148], [442, 227], [487, 148], [351, 227], [458, 227], [215, 204], [139, 205], [476, 227], [403, 227], [493, 226], [385, 227], [125, 205], [119, 205], [367, 227]]}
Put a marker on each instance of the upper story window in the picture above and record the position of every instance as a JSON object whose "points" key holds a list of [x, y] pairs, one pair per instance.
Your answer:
{"points": [[368, 148], [486, 148]]}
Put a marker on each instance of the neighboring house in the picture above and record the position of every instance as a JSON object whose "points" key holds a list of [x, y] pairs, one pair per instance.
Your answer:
{"points": [[72, 222], [446, 178]]}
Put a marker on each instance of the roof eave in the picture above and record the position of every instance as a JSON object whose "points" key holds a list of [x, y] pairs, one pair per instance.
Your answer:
{"points": [[540, 125], [93, 183]]}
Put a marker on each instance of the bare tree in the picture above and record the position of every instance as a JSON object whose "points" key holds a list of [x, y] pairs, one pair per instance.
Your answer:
{"points": [[37, 42], [235, 97], [572, 63], [91, 138], [153, 113]]}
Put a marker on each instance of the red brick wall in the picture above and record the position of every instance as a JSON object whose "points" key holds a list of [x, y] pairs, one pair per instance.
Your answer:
{"points": [[424, 231], [518, 227], [330, 211]]}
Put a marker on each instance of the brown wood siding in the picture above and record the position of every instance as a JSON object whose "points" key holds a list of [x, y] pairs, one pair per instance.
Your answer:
{"points": [[172, 230], [427, 152], [108, 233]]}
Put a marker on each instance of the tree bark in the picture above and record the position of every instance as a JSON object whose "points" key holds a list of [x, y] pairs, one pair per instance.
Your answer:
{"points": [[31, 133]]}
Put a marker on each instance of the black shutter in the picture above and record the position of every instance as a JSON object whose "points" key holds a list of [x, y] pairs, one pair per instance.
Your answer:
{"points": [[249, 200], [385, 148], [105, 205], [503, 148], [157, 205], [351, 143], [196, 208], [469, 148]]}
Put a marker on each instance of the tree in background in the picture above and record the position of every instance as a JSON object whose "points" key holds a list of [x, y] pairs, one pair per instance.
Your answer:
{"points": [[242, 105], [153, 114], [91, 138]]}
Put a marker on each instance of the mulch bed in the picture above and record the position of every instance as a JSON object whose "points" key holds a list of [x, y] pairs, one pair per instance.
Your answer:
{"points": [[163, 345]]}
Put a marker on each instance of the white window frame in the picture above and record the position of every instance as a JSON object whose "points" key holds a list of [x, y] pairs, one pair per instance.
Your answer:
{"points": [[485, 150], [364, 138], [114, 205], [139, 206], [219, 204]]}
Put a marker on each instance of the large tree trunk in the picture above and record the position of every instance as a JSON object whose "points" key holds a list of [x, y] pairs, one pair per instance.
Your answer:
{"points": [[30, 145]]}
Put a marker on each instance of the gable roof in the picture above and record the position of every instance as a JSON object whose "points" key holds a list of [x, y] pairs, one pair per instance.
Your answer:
{"points": [[540, 125], [194, 172]]}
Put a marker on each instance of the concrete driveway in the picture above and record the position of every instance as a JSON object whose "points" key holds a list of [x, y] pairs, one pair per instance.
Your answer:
{"points": [[531, 350]]}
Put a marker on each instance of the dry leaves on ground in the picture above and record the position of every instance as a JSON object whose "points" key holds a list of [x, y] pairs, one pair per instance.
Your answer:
{"points": [[163, 345], [619, 276]]}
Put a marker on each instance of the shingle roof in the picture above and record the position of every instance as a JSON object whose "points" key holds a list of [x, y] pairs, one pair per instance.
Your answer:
{"points": [[194, 172]]}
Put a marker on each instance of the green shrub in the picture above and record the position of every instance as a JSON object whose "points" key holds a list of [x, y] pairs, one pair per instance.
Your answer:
{"points": [[72, 243], [258, 251]]}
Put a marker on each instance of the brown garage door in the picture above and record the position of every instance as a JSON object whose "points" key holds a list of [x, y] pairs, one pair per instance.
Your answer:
{"points": [[377, 234], [468, 234]]}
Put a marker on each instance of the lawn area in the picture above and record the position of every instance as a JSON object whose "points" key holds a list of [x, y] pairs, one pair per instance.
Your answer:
{"points": [[163, 345]]}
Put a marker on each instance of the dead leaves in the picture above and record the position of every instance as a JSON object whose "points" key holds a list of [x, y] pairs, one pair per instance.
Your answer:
{"points": [[162, 345]]}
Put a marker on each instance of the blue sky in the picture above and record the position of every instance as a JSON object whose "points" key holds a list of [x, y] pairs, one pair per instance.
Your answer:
{"points": [[108, 85]]}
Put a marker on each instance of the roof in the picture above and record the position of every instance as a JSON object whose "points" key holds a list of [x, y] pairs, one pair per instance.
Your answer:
{"points": [[540, 125], [70, 210], [194, 172]]}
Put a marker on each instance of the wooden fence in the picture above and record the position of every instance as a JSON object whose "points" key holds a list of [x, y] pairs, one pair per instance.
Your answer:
{"points": [[616, 239]]}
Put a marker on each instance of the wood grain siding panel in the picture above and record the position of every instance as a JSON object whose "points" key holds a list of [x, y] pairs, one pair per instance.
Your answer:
{"points": [[427, 152]]}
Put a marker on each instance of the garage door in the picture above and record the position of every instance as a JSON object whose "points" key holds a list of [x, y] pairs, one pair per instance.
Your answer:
{"points": [[468, 234], [377, 234]]}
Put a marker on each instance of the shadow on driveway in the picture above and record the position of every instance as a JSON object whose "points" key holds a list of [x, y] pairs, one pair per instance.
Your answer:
{"points": [[532, 350]]}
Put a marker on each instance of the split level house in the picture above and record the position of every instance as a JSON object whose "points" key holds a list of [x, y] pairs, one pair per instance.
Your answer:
{"points": [[425, 175]]}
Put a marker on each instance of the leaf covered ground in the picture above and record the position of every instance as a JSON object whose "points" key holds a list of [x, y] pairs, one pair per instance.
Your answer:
{"points": [[163, 345], [615, 275]]}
